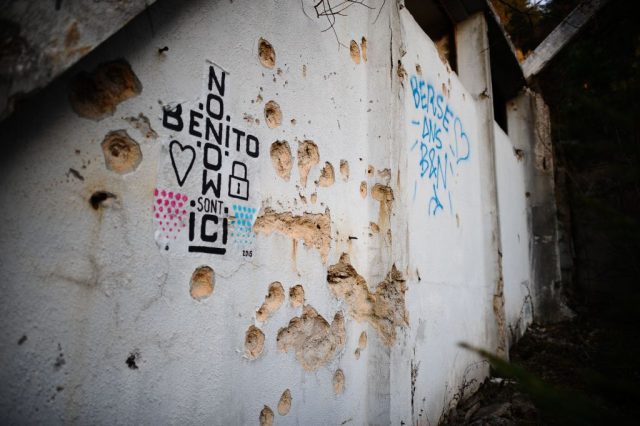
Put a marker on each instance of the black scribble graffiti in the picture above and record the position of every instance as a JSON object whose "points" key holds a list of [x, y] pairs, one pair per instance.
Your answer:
{"points": [[330, 11]]}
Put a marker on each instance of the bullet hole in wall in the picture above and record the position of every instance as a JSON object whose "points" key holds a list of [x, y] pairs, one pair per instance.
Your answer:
{"points": [[344, 170], [281, 159], [338, 382], [253, 342], [327, 175], [266, 416], [96, 95], [272, 302], [122, 154], [363, 189], [284, 405], [383, 308], [266, 53], [354, 51], [296, 296], [308, 157], [202, 282], [313, 229], [132, 360], [98, 197], [313, 340], [272, 114]]}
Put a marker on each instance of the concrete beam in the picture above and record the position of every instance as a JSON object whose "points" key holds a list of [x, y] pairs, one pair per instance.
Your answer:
{"points": [[44, 38], [560, 36]]}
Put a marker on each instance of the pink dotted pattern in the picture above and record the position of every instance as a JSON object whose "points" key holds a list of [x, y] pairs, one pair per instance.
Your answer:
{"points": [[169, 212]]}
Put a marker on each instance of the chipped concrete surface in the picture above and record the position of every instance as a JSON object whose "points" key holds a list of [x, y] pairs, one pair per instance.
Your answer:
{"points": [[96, 95], [202, 282], [363, 189], [281, 159], [363, 48], [253, 342], [266, 53], [296, 296], [344, 170], [143, 125], [272, 114], [308, 157], [272, 302], [384, 308], [266, 416], [121, 153], [338, 382], [284, 405], [362, 344], [313, 229], [354, 51], [327, 176], [313, 340]]}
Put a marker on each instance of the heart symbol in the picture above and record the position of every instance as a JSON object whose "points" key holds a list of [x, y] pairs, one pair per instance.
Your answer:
{"points": [[182, 157]]}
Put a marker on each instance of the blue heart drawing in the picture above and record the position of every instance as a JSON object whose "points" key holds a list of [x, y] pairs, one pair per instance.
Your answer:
{"points": [[180, 156]]}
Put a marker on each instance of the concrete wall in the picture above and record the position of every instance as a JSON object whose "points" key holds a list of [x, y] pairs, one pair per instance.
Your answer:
{"points": [[358, 169], [515, 235]]}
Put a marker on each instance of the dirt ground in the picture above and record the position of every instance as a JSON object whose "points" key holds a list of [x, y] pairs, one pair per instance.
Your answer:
{"points": [[573, 372]]}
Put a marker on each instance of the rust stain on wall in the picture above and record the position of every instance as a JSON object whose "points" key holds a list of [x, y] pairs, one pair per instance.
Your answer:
{"points": [[95, 95], [308, 157], [202, 282], [312, 338], [281, 159], [272, 302], [384, 309], [121, 153], [313, 228], [253, 342]]}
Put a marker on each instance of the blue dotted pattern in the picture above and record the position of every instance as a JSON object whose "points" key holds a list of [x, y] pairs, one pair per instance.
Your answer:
{"points": [[242, 225]]}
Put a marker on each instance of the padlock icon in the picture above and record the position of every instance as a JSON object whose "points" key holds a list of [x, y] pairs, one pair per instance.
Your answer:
{"points": [[238, 182]]}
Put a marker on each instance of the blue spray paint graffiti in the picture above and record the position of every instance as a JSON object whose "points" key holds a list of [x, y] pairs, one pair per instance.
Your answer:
{"points": [[241, 225], [441, 141]]}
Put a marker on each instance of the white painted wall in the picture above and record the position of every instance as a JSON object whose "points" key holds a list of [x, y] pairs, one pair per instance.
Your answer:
{"points": [[89, 287], [516, 240]]}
